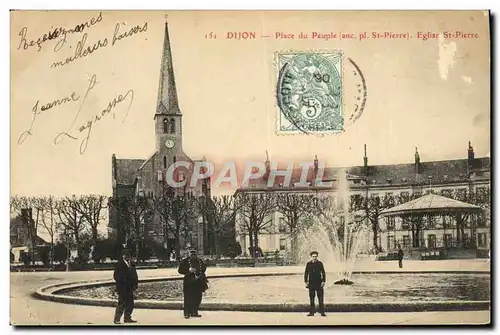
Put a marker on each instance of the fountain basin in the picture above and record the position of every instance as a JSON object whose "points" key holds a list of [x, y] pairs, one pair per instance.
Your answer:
{"points": [[285, 292], [343, 282]]}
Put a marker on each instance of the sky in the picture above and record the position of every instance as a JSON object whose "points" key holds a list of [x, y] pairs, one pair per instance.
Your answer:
{"points": [[433, 94]]}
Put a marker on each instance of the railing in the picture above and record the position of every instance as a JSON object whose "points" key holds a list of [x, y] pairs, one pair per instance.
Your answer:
{"points": [[465, 243]]}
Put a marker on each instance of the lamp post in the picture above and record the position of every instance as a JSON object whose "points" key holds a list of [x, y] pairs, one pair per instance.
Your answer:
{"points": [[201, 227], [430, 183], [68, 250]]}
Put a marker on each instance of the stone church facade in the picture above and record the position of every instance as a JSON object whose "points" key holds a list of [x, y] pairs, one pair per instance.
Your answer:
{"points": [[147, 177]]}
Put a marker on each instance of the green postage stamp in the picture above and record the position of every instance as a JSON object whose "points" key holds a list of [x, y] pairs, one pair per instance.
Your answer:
{"points": [[309, 93]]}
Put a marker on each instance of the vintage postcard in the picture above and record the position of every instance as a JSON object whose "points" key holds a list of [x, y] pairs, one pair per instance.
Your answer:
{"points": [[250, 168]]}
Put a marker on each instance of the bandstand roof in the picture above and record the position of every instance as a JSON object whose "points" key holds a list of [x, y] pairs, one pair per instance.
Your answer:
{"points": [[431, 204]]}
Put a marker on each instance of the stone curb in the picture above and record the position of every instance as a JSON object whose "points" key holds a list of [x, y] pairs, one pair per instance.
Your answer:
{"points": [[53, 293]]}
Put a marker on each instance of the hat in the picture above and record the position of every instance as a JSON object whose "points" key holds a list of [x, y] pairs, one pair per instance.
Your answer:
{"points": [[313, 253], [125, 252]]}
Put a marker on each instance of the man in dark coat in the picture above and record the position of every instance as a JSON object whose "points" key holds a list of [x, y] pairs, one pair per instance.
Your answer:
{"points": [[315, 278], [126, 279], [400, 256], [194, 284]]}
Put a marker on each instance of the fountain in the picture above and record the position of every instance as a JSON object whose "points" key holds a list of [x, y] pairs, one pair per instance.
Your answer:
{"points": [[335, 234]]}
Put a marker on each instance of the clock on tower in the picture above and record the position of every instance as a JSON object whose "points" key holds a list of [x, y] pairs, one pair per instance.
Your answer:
{"points": [[169, 144]]}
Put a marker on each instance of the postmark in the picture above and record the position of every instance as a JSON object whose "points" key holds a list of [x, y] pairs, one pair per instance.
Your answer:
{"points": [[311, 92]]}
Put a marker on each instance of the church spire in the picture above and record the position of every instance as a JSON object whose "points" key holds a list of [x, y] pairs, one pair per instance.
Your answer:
{"points": [[167, 92]]}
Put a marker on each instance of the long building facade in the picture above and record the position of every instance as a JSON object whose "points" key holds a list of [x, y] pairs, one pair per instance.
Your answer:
{"points": [[466, 180]]}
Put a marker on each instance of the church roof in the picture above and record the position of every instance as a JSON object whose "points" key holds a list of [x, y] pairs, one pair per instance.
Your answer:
{"points": [[167, 93], [147, 160], [126, 170]]}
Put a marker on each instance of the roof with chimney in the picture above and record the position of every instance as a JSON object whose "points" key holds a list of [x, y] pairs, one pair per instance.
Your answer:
{"points": [[19, 235], [435, 172]]}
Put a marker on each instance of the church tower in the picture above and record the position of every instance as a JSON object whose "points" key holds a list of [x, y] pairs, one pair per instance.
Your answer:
{"points": [[168, 123]]}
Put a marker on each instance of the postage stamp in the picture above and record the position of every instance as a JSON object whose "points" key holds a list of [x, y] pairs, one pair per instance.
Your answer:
{"points": [[309, 93]]}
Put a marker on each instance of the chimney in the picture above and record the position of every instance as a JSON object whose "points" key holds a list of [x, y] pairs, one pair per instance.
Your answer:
{"points": [[365, 163], [417, 161], [470, 154], [316, 164], [268, 166], [470, 159], [113, 166]]}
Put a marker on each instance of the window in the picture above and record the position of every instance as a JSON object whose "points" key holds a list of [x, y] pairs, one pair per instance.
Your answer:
{"points": [[431, 222], [389, 198], [406, 225], [172, 126], [282, 243], [448, 222], [282, 225], [406, 241], [481, 220], [431, 241], [165, 126], [482, 240], [447, 240], [164, 162], [391, 223], [356, 201], [391, 243]]}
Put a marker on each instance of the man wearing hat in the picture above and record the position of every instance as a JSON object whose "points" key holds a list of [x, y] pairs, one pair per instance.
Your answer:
{"points": [[315, 278], [194, 284], [126, 279]]}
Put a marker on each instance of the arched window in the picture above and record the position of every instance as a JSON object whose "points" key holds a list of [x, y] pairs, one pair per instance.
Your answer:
{"points": [[165, 126], [164, 162], [172, 126]]}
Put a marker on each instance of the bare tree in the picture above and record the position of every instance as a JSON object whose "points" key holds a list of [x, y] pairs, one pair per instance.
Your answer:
{"points": [[220, 215], [139, 209], [121, 207], [92, 208], [48, 221], [185, 210], [71, 220], [162, 208], [175, 212], [294, 208], [255, 211], [371, 207]]}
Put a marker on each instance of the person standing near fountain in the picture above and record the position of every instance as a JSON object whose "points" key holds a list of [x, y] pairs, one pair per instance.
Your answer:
{"points": [[194, 284], [315, 279], [400, 256], [125, 276]]}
